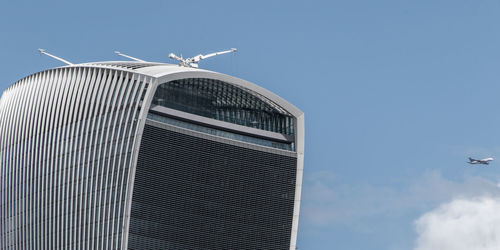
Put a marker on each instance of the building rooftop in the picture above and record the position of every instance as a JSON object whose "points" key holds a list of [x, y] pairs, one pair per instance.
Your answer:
{"points": [[128, 64]]}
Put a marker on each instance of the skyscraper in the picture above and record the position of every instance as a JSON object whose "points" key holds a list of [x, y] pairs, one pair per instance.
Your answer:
{"points": [[136, 155]]}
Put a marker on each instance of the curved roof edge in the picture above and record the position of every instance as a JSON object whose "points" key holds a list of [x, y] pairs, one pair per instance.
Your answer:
{"points": [[166, 73]]}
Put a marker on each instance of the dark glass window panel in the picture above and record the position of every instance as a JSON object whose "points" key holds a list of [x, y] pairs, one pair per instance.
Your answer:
{"points": [[225, 102]]}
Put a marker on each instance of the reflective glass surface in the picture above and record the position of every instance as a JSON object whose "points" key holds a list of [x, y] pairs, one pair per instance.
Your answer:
{"points": [[195, 193], [225, 102], [225, 134]]}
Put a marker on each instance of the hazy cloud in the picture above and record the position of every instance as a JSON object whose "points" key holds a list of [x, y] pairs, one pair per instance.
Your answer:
{"points": [[326, 200], [461, 224]]}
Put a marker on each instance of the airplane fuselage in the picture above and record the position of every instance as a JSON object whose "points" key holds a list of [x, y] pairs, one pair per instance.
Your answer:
{"points": [[485, 161]]}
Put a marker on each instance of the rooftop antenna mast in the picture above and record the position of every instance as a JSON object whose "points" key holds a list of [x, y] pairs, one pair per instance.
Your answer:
{"points": [[192, 62], [42, 51], [129, 57]]}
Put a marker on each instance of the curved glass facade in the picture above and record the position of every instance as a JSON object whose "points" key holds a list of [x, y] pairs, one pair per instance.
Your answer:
{"points": [[198, 192], [225, 102]]}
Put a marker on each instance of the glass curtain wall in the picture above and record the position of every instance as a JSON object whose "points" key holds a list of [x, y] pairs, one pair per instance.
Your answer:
{"points": [[225, 102]]}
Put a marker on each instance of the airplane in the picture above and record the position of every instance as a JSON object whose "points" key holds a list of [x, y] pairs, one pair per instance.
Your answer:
{"points": [[484, 161]]}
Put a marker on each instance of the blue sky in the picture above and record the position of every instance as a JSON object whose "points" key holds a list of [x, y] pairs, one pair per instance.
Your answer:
{"points": [[397, 93]]}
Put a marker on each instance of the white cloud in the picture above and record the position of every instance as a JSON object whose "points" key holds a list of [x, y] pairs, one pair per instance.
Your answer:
{"points": [[462, 224], [457, 214]]}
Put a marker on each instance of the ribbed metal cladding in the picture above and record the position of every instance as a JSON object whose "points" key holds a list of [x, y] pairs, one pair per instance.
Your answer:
{"points": [[195, 191], [66, 144]]}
